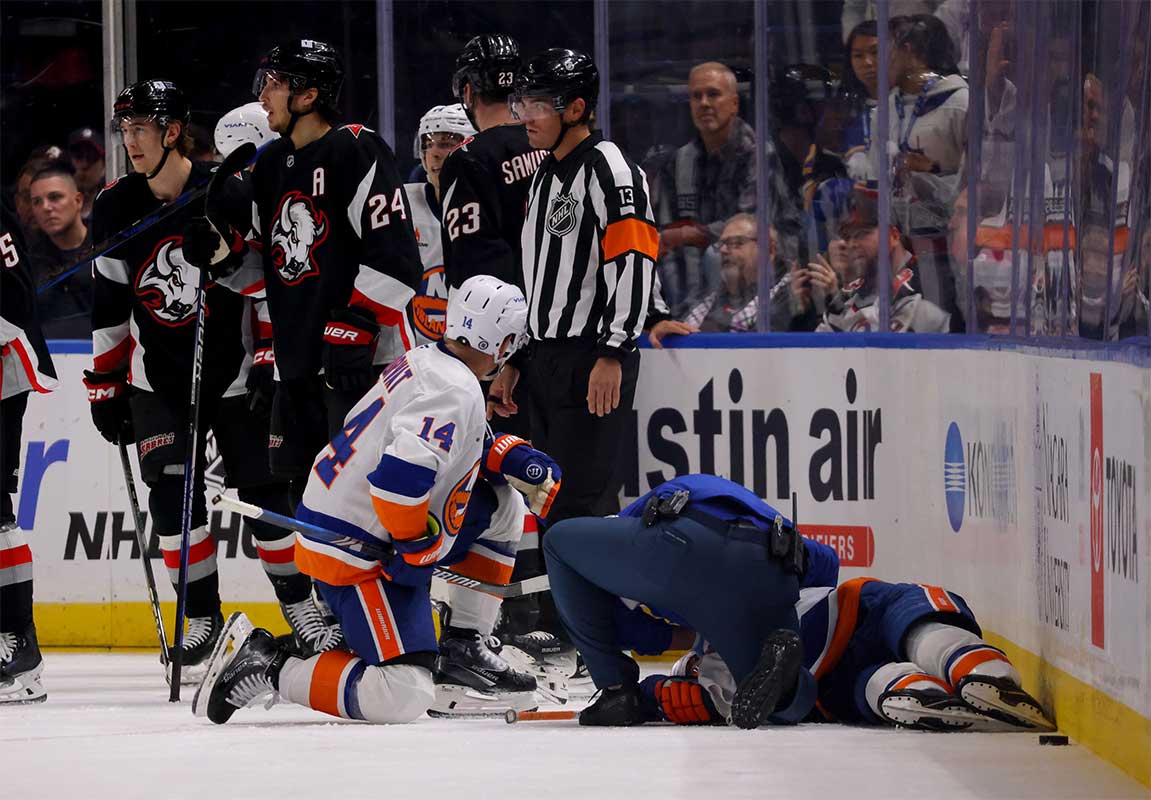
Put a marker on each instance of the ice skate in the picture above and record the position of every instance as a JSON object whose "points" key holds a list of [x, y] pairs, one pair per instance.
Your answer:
{"points": [[933, 710], [775, 673], [473, 680], [236, 630], [199, 640], [312, 632], [20, 668], [1002, 699], [242, 677], [548, 658]]}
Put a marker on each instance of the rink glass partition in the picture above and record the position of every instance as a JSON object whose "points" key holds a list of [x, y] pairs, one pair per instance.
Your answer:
{"points": [[1075, 72]]}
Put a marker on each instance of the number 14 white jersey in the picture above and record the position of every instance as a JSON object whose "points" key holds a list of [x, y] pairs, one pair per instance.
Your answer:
{"points": [[409, 451]]}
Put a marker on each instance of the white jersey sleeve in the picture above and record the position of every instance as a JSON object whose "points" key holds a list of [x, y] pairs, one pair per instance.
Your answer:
{"points": [[401, 470]]}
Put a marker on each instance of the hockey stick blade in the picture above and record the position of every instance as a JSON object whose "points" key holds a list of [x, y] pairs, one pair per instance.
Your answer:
{"points": [[229, 166], [529, 586]]}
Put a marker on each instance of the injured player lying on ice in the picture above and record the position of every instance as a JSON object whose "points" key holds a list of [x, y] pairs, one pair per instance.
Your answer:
{"points": [[868, 651], [401, 473]]}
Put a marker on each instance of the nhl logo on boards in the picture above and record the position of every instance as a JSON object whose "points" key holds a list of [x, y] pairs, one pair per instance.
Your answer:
{"points": [[561, 215]]}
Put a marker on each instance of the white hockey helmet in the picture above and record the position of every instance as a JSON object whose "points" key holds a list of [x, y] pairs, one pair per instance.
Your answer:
{"points": [[484, 312], [248, 123], [443, 119]]}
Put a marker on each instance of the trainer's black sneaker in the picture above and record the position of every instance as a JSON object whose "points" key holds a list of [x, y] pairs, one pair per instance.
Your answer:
{"points": [[250, 674], [775, 675], [620, 707]]}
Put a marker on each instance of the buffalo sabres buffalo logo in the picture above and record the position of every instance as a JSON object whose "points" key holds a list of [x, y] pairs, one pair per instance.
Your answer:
{"points": [[561, 216], [299, 228], [168, 285]]}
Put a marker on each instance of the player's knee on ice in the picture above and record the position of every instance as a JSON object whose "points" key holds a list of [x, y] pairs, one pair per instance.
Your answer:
{"points": [[394, 694]]}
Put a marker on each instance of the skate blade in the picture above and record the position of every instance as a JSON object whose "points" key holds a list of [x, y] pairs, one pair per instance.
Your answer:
{"points": [[24, 689], [454, 700], [236, 630], [987, 699], [907, 712]]}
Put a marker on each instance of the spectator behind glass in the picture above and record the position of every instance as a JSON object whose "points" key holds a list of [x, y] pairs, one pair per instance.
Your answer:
{"points": [[799, 95], [57, 202], [707, 181], [849, 120], [734, 305], [86, 150], [38, 159], [855, 307], [926, 145]]}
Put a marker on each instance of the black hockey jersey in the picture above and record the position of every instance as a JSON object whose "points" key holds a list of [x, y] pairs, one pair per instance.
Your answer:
{"points": [[25, 364], [144, 305], [334, 226], [484, 185]]}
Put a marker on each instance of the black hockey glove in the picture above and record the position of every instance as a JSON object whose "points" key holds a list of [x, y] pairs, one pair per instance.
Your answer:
{"points": [[210, 248], [108, 399], [349, 347], [261, 384]]}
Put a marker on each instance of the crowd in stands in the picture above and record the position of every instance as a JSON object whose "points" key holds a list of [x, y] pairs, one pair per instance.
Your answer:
{"points": [[825, 159]]}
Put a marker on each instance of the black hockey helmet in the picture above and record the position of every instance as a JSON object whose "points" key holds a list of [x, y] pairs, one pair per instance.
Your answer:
{"points": [[304, 64], [488, 63], [560, 74], [162, 101]]}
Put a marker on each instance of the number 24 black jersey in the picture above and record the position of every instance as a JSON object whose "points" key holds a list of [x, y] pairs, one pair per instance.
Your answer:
{"points": [[335, 229]]}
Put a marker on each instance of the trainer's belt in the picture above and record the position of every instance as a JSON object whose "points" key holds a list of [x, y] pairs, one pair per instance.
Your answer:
{"points": [[783, 543]]}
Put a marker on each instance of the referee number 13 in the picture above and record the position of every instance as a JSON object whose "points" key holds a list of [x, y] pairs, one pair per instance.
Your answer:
{"points": [[463, 220]]}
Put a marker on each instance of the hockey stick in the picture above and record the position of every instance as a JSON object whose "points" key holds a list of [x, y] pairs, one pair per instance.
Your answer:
{"points": [[511, 716], [383, 553], [139, 226], [142, 541], [235, 161]]}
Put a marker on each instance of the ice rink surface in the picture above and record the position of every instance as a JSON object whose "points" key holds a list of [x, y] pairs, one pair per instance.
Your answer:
{"points": [[107, 731]]}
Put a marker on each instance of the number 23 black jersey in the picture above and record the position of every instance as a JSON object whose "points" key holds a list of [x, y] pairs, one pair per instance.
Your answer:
{"points": [[485, 187], [335, 230]]}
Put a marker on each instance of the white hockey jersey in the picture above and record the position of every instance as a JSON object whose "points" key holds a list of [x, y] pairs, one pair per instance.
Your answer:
{"points": [[429, 308], [400, 471]]}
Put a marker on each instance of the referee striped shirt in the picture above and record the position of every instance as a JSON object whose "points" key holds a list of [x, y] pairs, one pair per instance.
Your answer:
{"points": [[589, 247]]}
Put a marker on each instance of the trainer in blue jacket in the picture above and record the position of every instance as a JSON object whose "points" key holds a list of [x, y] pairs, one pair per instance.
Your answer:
{"points": [[708, 554]]}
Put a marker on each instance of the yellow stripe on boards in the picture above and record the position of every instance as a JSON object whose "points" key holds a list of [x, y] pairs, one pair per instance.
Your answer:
{"points": [[1112, 730], [128, 624]]}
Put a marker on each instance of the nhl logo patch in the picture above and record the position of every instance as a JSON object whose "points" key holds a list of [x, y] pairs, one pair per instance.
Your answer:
{"points": [[561, 215]]}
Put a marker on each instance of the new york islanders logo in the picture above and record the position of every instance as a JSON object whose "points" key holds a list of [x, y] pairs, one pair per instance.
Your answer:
{"points": [[430, 305], [561, 215], [168, 285], [298, 230]]}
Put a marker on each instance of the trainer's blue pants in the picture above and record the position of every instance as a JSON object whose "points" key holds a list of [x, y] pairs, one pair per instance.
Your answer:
{"points": [[721, 583]]}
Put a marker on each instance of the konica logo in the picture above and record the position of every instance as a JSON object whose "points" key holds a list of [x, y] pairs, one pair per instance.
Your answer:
{"points": [[954, 477]]}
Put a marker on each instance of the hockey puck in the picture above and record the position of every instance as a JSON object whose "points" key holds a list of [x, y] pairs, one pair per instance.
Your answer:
{"points": [[1052, 739], [511, 717]]}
